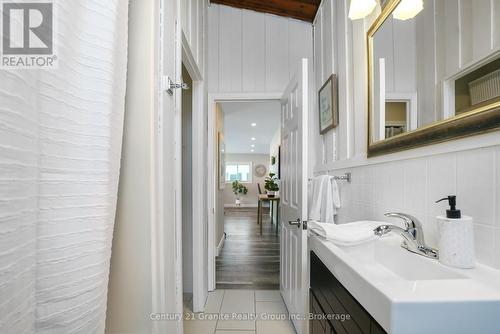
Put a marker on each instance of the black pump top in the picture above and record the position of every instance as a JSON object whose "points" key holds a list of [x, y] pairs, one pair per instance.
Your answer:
{"points": [[452, 212]]}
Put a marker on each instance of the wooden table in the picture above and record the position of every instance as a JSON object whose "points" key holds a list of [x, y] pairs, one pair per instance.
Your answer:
{"points": [[271, 200]]}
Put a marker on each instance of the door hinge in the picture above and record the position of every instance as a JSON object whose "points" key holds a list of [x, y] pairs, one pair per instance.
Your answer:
{"points": [[168, 85]]}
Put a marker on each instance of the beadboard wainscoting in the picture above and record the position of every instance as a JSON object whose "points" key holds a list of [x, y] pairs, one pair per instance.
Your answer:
{"points": [[413, 185]]}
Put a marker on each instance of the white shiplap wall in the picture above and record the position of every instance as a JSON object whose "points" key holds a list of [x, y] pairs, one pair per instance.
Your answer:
{"points": [[410, 185], [193, 16], [253, 52], [333, 49]]}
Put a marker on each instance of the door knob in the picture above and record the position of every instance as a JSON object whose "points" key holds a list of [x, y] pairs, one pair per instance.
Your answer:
{"points": [[295, 223]]}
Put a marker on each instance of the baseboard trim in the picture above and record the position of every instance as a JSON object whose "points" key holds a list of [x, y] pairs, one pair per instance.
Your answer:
{"points": [[241, 206], [221, 244]]}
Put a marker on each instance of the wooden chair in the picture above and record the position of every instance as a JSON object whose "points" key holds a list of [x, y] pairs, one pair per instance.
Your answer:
{"points": [[266, 204]]}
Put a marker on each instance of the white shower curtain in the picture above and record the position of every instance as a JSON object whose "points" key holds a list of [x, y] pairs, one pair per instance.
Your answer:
{"points": [[60, 147]]}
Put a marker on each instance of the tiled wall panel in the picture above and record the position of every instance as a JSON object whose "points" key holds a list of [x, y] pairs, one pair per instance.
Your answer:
{"points": [[412, 186]]}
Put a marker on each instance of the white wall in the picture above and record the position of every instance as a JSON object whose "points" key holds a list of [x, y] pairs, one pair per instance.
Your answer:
{"points": [[250, 199], [409, 184], [254, 52], [471, 30], [333, 53], [193, 17]]}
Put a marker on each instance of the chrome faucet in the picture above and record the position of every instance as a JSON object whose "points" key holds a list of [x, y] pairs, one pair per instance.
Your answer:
{"points": [[412, 234]]}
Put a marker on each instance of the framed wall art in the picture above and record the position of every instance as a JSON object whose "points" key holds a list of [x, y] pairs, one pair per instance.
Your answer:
{"points": [[328, 105]]}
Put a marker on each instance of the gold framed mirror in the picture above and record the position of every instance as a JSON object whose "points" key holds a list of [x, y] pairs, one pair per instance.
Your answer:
{"points": [[419, 91]]}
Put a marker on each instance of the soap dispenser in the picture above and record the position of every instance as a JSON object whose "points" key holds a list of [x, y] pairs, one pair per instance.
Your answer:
{"points": [[456, 237]]}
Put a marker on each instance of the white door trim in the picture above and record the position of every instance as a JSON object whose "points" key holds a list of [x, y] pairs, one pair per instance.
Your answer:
{"points": [[200, 288], [213, 99], [179, 298], [166, 245], [158, 293]]}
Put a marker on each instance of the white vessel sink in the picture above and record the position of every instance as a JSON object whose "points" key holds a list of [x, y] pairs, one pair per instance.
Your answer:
{"points": [[409, 293]]}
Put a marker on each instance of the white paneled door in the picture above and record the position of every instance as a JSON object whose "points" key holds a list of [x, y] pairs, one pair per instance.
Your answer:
{"points": [[294, 278]]}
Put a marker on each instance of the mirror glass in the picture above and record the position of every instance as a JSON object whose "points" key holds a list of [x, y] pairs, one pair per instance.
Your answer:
{"points": [[430, 64]]}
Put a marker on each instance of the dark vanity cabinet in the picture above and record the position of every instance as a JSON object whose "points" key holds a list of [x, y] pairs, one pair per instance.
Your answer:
{"points": [[333, 309]]}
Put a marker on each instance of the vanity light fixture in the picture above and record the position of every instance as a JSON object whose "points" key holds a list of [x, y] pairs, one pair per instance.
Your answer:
{"points": [[408, 9], [252, 150], [252, 145], [360, 9], [254, 124], [253, 138]]}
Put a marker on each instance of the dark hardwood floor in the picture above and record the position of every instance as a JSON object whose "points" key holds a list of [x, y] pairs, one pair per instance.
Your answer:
{"points": [[248, 260]]}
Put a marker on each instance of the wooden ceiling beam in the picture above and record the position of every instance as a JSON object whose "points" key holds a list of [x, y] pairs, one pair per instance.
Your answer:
{"points": [[304, 10]]}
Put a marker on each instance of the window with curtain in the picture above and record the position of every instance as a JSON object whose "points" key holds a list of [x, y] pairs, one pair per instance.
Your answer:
{"points": [[239, 171]]}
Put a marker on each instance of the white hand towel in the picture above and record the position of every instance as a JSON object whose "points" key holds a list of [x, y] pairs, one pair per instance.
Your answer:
{"points": [[324, 199], [315, 205], [345, 234]]}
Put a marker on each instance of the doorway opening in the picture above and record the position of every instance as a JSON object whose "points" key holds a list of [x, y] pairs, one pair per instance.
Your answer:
{"points": [[293, 294], [248, 146]]}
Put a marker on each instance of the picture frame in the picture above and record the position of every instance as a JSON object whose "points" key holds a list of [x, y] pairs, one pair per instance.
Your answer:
{"points": [[328, 110], [221, 161]]}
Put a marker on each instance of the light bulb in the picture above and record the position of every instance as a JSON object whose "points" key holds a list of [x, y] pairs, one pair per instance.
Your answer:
{"points": [[361, 8], [408, 9]]}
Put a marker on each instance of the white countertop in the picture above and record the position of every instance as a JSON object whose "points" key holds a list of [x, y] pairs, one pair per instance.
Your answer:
{"points": [[408, 293]]}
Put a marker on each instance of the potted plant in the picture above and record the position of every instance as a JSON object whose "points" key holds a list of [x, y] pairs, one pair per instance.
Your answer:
{"points": [[270, 185], [239, 189]]}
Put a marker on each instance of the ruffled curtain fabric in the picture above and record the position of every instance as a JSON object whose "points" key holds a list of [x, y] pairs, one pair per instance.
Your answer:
{"points": [[60, 147]]}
